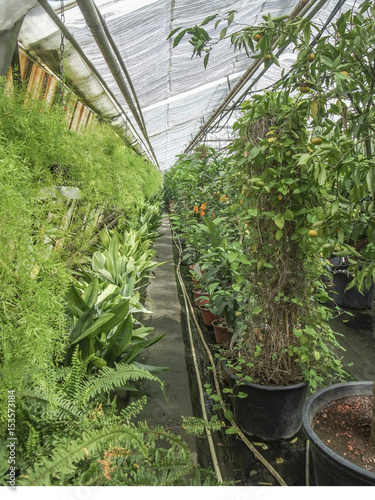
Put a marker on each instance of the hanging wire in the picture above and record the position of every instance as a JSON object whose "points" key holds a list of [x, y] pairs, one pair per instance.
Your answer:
{"points": [[62, 48]]}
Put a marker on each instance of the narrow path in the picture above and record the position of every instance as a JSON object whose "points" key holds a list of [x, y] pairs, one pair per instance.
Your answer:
{"points": [[162, 300]]}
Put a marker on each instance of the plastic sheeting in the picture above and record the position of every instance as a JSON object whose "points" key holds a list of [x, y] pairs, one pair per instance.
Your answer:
{"points": [[175, 92]]}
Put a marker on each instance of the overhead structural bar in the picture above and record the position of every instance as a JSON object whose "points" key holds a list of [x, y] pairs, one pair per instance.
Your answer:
{"points": [[299, 10], [93, 21], [69, 36], [122, 64]]}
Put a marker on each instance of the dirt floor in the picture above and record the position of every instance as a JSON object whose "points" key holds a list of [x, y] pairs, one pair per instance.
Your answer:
{"points": [[237, 463]]}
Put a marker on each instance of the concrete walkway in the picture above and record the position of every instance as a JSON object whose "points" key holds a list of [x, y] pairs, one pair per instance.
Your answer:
{"points": [[162, 300]]}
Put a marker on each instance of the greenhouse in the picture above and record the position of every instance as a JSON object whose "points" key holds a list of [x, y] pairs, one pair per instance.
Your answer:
{"points": [[187, 246]]}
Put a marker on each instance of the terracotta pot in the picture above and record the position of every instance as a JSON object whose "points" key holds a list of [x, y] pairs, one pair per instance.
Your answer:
{"points": [[200, 297], [222, 335], [207, 316]]}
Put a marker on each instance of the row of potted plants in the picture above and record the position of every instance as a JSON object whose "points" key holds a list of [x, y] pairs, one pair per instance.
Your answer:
{"points": [[299, 179]]}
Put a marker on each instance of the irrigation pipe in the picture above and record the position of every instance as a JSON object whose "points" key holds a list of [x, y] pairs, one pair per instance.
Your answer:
{"points": [[200, 388], [190, 312]]}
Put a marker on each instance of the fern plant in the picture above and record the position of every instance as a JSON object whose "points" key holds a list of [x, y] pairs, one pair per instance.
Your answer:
{"points": [[118, 456], [69, 402], [71, 433]]}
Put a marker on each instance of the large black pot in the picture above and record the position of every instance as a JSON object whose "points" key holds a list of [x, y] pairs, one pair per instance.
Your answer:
{"points": [[331, 469], [352, 298], [269, 413]]}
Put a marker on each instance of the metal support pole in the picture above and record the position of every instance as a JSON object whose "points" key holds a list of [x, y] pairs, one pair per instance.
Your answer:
{"points": [[93, 21]]}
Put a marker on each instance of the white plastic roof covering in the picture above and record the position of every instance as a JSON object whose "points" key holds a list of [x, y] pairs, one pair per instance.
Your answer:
{"points": [[176, 94]]}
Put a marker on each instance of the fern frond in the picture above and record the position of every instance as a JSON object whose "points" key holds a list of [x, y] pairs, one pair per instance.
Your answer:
{"points": [[112, 378], [133, 409], [73, 383], [64, 457], [196, 426], [60, 405]]}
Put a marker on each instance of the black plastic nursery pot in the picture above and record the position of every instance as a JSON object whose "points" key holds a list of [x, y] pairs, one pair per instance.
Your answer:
{"points": [[352, 298], [269, 413], [330, 469]]}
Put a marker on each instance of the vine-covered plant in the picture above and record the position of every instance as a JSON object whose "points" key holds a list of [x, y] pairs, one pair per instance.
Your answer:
{"points": [[284, 335]]}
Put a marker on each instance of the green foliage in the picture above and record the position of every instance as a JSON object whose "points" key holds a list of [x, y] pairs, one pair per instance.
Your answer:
{"points": [[333, 78], [198, 426], [278, 195], [121, 455], [103, 303], [44, 228]]}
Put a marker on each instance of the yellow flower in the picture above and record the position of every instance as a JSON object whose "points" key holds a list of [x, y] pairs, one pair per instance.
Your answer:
{"points": [[272, 139], [195, 209], [202, 213], [203, 206]]}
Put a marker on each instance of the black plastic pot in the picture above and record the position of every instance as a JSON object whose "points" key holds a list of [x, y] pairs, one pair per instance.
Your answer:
{"points": [[351, 298], [268, 413], [331, 469]]}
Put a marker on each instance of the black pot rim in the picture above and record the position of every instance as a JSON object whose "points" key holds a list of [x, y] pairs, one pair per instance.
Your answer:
{"points": [[312, 436], [296, 385]]}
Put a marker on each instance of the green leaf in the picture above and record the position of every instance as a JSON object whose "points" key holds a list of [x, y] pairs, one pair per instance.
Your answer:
{"points": [[307, 32], [119, 341], [90, 294], [288, 215], [95, 327], [231, 430], [370, 179], [326, 61], [135, 350], [205, 60], [106, 275], [322, 175], [228, 415], [303, 159], [335, 207], [231, 17], [179, 37], [241, 395], [279, 221], [223, 33], [173, 32], [279, 235], [212, 287], [208, 19], [252, 212], [73, 298]]}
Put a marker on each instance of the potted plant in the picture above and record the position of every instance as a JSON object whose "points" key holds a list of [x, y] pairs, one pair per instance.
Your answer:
{"points": [[283, 340], [337, 422]]}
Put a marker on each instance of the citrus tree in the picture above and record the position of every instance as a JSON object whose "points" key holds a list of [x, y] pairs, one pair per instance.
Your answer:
{"points": [[333, 77]]}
